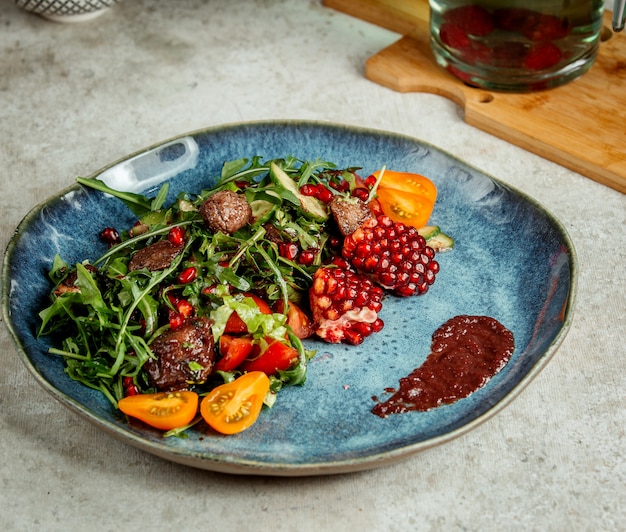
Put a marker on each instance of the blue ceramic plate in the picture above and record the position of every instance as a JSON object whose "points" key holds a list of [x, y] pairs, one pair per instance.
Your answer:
{"points": [[512, 260]]}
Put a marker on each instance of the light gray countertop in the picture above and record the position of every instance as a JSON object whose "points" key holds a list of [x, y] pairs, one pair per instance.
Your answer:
{"points": [[76, 97]]}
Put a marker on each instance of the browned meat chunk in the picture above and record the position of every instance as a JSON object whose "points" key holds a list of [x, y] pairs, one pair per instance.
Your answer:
{"points": [[69, 283], [272, 234], [157, 256], [225, 211], [184, 356], [349, 213]]}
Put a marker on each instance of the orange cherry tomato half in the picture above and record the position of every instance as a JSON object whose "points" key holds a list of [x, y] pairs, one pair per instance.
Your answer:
{"points": [[235, 325], [233, 407], [409, 209], [276, 356], [234, 351], [406, 197], [408, 182], [162, 410], [301, 325]]}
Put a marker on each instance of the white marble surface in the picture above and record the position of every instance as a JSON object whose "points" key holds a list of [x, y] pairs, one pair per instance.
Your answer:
{"points": [[74, 98]]}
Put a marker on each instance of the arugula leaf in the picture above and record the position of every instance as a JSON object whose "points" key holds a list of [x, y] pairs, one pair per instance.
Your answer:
{"points": [[160, 198], [137, 203]]}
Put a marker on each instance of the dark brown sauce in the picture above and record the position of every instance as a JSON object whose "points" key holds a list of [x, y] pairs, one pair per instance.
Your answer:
{"points": [[466, 352]]}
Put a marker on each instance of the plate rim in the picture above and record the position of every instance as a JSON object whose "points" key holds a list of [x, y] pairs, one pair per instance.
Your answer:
{"points": [[249, 466]]}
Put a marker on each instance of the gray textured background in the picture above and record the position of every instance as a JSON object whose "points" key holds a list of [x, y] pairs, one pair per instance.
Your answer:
{"points": [[74, 98]]}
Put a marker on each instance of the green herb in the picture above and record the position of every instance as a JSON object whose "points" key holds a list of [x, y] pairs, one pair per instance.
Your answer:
{"points": [[104, 323]]}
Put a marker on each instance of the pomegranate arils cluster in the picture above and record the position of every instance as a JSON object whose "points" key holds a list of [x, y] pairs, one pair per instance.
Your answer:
{"points": [[345, 304], [393, 255]]}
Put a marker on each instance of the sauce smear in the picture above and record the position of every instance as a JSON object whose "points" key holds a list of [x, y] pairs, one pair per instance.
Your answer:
{"points": [[466, 352]]}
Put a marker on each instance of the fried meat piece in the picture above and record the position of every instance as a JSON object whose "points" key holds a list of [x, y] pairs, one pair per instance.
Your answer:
{"points": [[225, 211], [184, 356], [349, 213]]}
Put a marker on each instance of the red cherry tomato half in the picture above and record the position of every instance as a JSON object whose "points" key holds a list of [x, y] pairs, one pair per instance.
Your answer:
{"points": [[234, 351], [276, 356], [235, 325], [301, 325]]}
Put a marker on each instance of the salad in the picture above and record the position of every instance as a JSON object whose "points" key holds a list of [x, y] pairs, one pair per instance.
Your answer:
{"points": [[199, 310]]}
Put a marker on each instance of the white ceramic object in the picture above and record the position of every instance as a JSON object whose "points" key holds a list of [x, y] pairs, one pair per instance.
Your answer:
{"points": [[67, 10]]}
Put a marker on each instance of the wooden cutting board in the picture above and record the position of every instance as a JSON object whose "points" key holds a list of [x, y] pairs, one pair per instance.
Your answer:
{"points": [[581, 125]]}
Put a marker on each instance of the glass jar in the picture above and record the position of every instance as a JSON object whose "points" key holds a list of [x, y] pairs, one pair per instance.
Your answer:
{"points": [[516, 45]]}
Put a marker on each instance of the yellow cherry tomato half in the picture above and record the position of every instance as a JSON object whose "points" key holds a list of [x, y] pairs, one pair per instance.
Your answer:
{"points": [[162, 410], [233, 407], [408, 182], [406, 197]]}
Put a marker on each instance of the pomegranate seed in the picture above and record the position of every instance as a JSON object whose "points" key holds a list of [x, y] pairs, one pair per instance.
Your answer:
{"points": [[332, 314], [334, 241], [176, 236], [308, 190], [176, 320], [306, 258], [362, 193], [139, 228], [364, 329], [129, 386], [341, 185], [353, 337], [209, 290], [184, 308], [362, 298], [363, 250], [376, 306], [288, 250], [109, 235], [387, 278], [187, 275], [376, 207], [323, 194], [341, 263], [371, 263], [370, 181]]}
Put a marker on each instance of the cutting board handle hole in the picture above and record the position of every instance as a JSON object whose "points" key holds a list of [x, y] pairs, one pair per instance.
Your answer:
{"points": [[485, 97], [605, 33]]}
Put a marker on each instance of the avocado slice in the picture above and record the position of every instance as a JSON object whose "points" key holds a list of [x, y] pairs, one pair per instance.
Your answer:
{"points": [[435, 238], [311, 207]]}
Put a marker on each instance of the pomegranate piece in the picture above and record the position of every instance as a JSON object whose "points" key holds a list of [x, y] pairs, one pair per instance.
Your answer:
{"points": [[545, 28], [473, 20], [454, 36], [344, 304], [393, 255], [542, 56]]}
